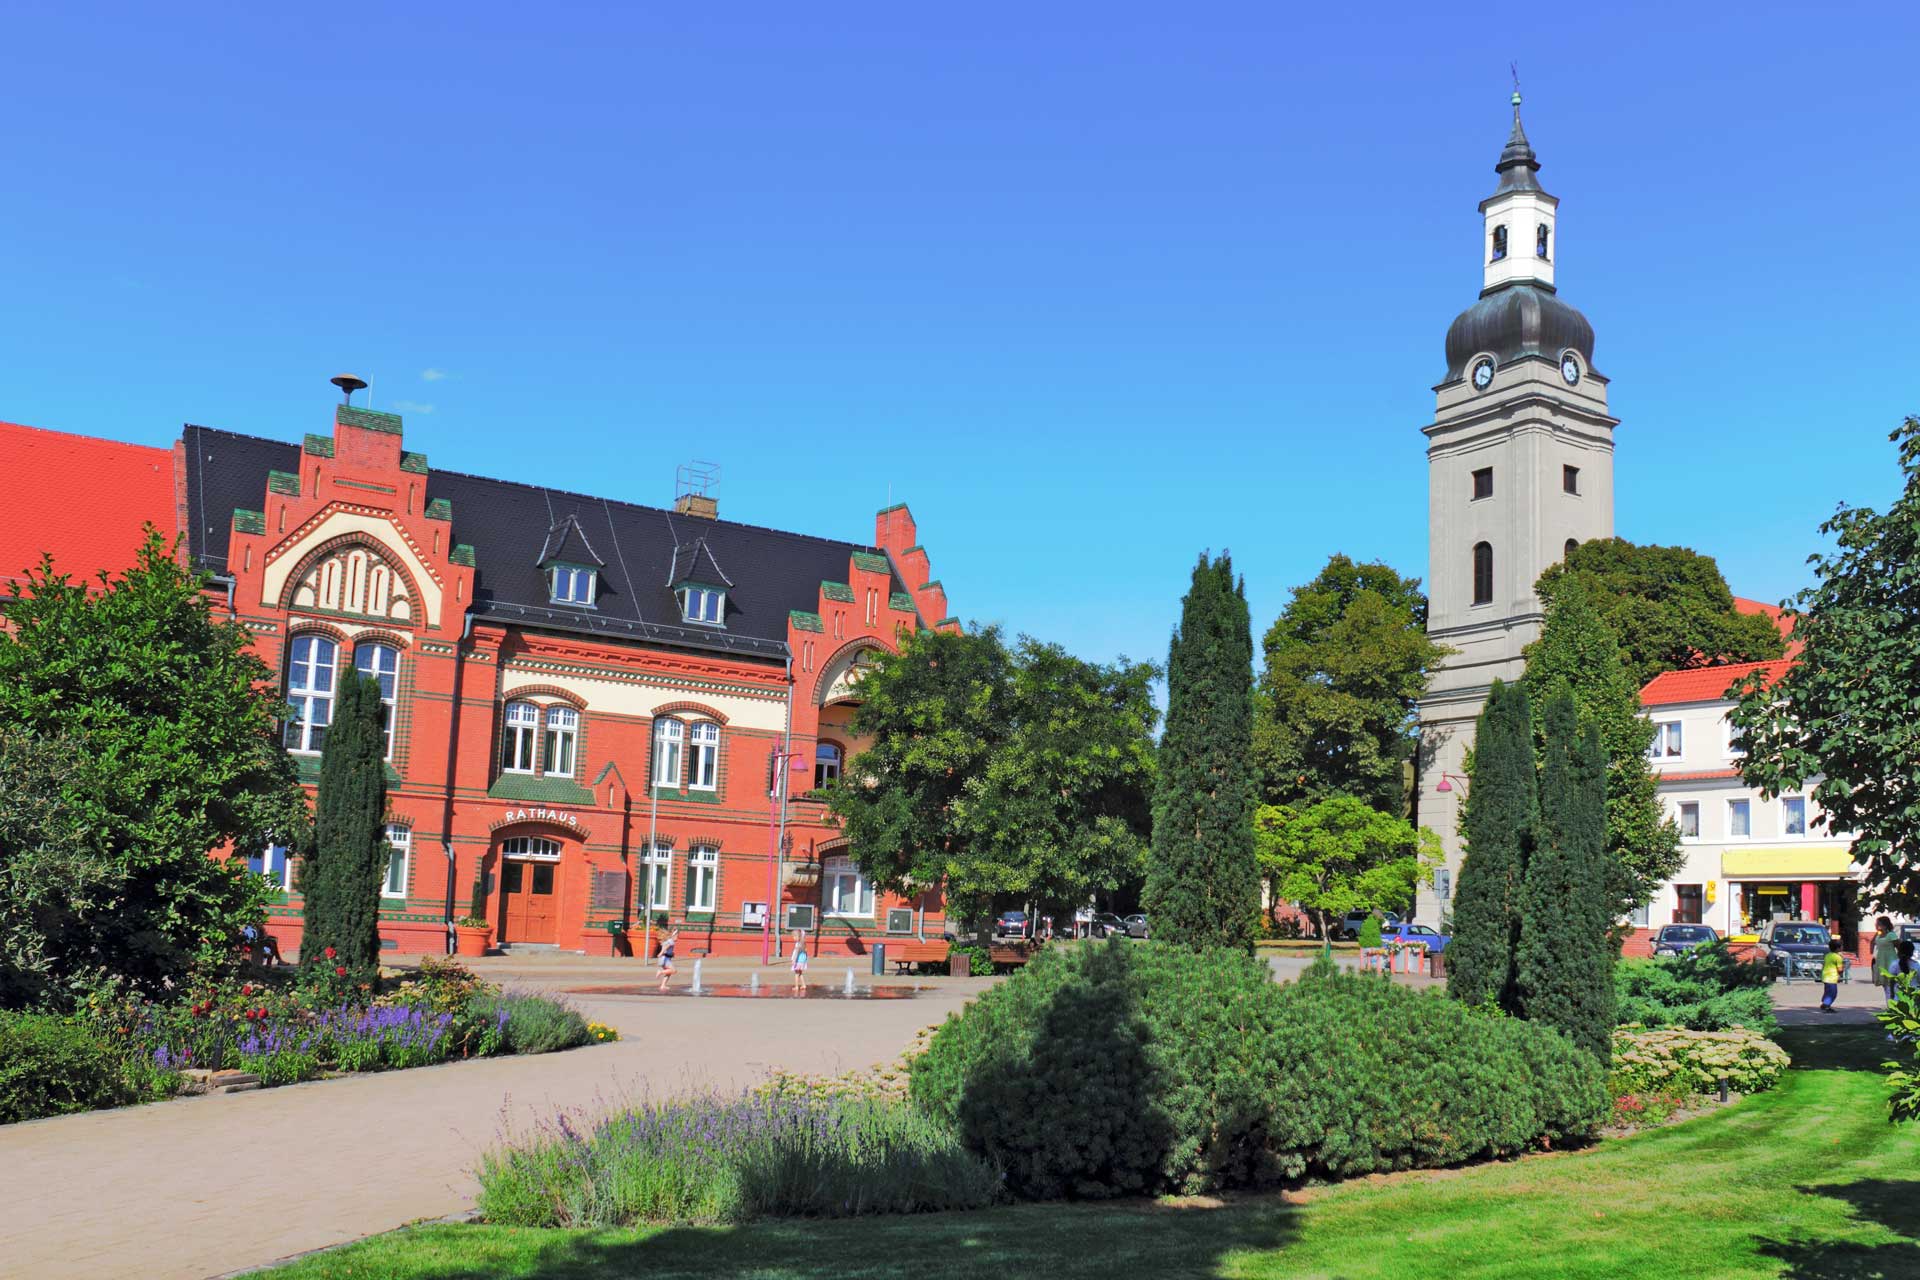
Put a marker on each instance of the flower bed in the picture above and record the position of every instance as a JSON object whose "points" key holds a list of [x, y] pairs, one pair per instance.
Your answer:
{"points": [[1674, 1061]]}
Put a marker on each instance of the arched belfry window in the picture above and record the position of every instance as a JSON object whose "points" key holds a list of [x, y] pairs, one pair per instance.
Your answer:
{"points": [[1543, 235], [1499, 243], [1483, 573], [1571, 544]]}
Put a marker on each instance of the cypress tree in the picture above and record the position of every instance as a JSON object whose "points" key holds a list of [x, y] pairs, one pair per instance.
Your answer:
{"points": [[1565, 963], [348, 857], [1497, 821], [1203, 884]]}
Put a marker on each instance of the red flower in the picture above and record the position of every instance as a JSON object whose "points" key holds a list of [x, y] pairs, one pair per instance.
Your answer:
{"points": [[247, 990], [339, 971], [329, 953], [260, 1013]]}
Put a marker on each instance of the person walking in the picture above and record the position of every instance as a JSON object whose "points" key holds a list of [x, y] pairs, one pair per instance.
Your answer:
{"points": [[666, 958], [800, 964], [1903, 965], [1830, 968], [1886, 953]]}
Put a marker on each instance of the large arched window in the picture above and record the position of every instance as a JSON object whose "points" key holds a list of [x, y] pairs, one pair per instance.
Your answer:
{"points": [[530, 847], [667, 738], [563, 733], [382, 662], [310, 669], [1483, 573], [703, 756], [826, 763], [523, 726]]}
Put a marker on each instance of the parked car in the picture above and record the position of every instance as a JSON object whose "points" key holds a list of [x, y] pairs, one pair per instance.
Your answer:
{"points": [[1105, 922], [1795, 948], [1672, 939], [1350, 926], [1013, 924], [1136, 925], [1407, 931]]}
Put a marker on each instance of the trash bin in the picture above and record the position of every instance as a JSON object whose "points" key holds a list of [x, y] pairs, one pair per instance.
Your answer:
{"points": [[879, 959], [959, 965]]}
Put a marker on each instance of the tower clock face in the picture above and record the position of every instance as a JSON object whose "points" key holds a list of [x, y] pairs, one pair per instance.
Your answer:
{"points": [[1482, 374], [1570, 370]]}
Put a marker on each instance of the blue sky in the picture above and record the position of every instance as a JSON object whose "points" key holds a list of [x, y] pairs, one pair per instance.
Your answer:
{"points": [[1093, 287]]}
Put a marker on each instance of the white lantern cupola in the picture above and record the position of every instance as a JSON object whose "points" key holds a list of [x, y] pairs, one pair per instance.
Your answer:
{"points": [[1519, 244]]}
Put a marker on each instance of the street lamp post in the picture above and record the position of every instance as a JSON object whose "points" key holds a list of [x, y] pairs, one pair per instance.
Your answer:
{"points": [[785, 760]]}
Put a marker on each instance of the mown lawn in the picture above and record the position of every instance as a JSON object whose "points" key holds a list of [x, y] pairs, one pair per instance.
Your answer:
{"points": [[1809, 1181]]}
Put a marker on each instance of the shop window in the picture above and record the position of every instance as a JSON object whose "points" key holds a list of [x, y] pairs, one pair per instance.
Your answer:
{"points": [[563, 735], [1690, 905], [703, 756], [848, 893], [381, 662], [703, 878], [1793, 815], [1689, 819], [826, 763], [1739, 819], [310, 671], [399, 852], [517, 743]]}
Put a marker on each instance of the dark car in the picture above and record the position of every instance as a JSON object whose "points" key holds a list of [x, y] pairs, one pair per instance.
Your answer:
{"points": [[1104, 923], [1013, 924], [1672, 939], [1136, 925], [1407, 931], [1795, 948], [1350, 927]]}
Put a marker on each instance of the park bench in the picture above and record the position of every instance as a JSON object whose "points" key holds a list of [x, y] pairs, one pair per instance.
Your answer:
{"points": [[918, 954], [1011, 955]]}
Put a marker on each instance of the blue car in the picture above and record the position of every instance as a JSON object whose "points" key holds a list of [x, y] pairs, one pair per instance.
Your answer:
{"points": [[1407, 931]]}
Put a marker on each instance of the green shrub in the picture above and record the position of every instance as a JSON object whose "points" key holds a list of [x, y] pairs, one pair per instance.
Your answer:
{"points": [[979, 959], [1370, 933], [1129, 1069], [535, 1023], [52, 1066], [1674, 1060], [1704, 989], [705, 1160]]}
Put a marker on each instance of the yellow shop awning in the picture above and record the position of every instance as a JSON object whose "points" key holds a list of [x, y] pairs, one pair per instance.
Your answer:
{"points": [[1787, 863]]}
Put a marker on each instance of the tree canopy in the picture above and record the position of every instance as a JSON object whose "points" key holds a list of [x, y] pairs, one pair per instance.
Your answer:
{"points": [[1346, 663], [1002, 775], [1668, 607], [1203, 885], [1577, 652], [1847, 712], [53, 874], [1339, 854], [170, 729]]}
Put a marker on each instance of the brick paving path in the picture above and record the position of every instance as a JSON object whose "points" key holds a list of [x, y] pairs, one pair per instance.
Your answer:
{"points": [[199, 1187]]}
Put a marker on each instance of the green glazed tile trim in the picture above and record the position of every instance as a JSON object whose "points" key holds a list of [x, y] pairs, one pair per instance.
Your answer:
{"points": [[915, 547], [519, 786], [900, 600], [803, 621], [367, 419], [898, 506], [319, 446], [946, 620], [932, 584], [414, 462], [249, 521], [836, 591], [283, 482], [440, 509], [867, 561], [462, 554]]}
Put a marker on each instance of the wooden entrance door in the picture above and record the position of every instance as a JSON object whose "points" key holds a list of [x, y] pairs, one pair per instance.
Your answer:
{"points": [[531, 914]]}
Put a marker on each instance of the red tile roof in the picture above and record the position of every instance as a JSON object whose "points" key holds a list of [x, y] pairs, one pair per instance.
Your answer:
{"points": [[107, 491], [1781, 619], [1705, 684], [1693, 775]]}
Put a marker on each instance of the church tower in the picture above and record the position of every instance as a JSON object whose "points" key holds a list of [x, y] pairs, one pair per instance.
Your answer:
{"points": [[1519, 468]]}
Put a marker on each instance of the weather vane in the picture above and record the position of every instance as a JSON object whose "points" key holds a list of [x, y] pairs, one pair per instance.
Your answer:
{"points": [[1514, 67]]}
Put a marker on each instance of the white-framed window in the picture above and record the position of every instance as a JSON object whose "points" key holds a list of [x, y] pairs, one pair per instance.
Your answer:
{"points": [[1667, 740], [703, 604], [1641, 917], [668, 736], [703, 877], [1793, 815], [571, 585], [1739, 819], [399, 852], [826, 763], [517, 743], [382, 662], [848, 892], [1689, 819], [703, 756], [563, 735], [659, 893], [1736, 741], [310, 669], [533, 847], [275, 863]]}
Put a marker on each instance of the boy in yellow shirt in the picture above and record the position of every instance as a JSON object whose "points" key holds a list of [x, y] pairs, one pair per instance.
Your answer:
{"points": [[1830, 968]]}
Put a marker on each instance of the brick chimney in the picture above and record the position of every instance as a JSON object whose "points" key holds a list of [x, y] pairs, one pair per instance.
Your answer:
{"points": [[694, 486], [697, 504]]}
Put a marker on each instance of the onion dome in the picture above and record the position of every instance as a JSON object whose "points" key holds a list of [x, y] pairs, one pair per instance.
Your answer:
{"points": [[1520, 319]]}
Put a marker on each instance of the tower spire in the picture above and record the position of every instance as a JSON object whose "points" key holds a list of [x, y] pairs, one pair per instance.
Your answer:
{"points": [[1517, 163]]}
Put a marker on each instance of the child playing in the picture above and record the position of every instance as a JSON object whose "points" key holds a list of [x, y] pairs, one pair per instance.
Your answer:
{"points": [[800, 963], [666, 958], [1830, 968]]}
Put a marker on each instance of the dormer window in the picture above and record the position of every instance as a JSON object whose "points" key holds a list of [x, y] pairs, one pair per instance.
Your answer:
{"points": [[703, 604], [570, 584], [1499, 243]]}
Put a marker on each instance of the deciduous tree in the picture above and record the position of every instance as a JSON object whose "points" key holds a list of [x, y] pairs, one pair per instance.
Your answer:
{"points": [[1203, 884], [1339, 855]]}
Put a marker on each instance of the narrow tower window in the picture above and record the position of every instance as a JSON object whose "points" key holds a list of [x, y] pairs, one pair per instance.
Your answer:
{"points": [[1541, 235], [1483, 483], [1571, 544], [1499, 243], [1570, 479], [1483, 573]]}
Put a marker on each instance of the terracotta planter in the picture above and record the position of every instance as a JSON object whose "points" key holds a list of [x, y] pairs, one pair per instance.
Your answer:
{"points": [[803, 875], [472, 940]]}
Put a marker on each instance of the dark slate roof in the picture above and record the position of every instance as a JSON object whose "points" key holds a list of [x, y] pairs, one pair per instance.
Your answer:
{"points": [[1526, 318], [694, 561], [1517, 163], [567, 542], [771, 572]]}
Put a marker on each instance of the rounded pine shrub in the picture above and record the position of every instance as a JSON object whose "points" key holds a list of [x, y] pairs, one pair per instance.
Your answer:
{"points": [[1130, 1069]]}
